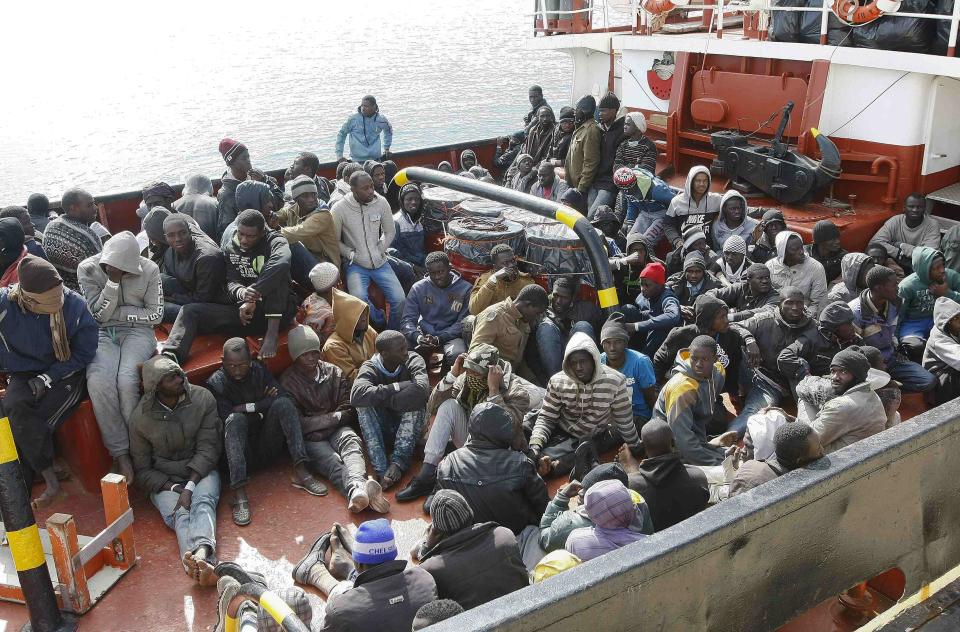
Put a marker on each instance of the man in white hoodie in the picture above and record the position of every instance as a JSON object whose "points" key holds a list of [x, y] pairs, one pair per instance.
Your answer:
{"points": [[124, 294], [697, 205], [365, 229], [942, 354], [793, 268]]}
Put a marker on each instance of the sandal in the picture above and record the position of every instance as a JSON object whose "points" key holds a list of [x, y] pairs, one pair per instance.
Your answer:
{"points": [[241, 513], [311, 485]]}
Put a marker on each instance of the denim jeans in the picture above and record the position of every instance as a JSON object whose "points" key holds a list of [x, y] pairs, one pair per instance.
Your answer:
{"points": [[339, 459], [915, 378], [551, 343], [760, 393], [250, 439], [382, 427], [598, 197], [113, 381], [358, 281], [198, 526]]}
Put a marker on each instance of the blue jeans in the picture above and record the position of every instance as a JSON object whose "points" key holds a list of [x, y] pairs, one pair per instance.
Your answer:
{"points": [[915, 378], [198, 526], [598, 197], [551, 344], [381, 426], [358, 282], [760, 393]]}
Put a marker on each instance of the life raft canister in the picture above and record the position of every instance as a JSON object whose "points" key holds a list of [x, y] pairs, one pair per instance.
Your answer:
{"points": [[657, 7], [852, 12]]}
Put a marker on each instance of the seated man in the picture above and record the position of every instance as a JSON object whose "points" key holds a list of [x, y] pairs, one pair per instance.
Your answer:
{"points": [[258, 279], [390, 395], [384, 593], [752, 295], [435, 612], [765, 335], [503, 281], [50, 338], [733, 220], [812, 352], [627, 269], [69, 239], [565, 316], [688, 403], [122, 290], [876, 313], [434, 310], [408, 244], [617, 522], [772, 224], [796, 444], [636, 367], [565, 513], [733, 263], [38, 206], [855, 412], [587, 402], [880, 257], [918, 292], [31, 238], [792, 267], [13, 250], [353, 339], [472, 563], [199, 203], [516, 495], [853, 277], [942, 354], [694, 240], [827, 250], [476, 377], [175, 445], [657, 310], [258, 423], [691, 283], [309, 222], [902, 233], [506, 325], [322, 398], [673, 491], [548, 186]]}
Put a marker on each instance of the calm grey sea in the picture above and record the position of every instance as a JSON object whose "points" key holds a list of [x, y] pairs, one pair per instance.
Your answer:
{"points": [[110, 95]]}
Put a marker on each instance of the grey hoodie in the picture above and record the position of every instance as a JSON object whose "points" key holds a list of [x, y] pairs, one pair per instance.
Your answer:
{"points": [[850, 267], [364, 231], [137, 300], [943, 350]]}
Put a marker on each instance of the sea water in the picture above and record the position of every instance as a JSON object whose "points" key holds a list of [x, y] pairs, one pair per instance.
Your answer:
{"points": [[112, 95]]}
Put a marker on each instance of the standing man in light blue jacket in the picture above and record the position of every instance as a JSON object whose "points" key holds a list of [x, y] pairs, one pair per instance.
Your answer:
{"points": [[364, 128]]}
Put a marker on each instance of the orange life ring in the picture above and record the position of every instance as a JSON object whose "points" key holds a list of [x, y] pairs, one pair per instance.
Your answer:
{"points": [[656, 7], [852, 12]]}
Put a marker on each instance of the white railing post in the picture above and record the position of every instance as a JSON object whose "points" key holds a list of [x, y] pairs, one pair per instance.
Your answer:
{"points": [[824, 20], [952, 40], [719, 13]]}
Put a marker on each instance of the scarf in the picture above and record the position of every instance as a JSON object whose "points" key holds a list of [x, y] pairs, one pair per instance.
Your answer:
{"points": [[476, 386], [378, 362], [51, 303]]}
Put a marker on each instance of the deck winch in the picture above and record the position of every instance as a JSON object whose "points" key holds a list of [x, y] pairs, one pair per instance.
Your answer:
{"points": [[775, 170]]}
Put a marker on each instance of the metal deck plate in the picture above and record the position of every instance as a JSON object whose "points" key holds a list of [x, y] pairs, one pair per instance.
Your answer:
{"points": [[947, 195]]}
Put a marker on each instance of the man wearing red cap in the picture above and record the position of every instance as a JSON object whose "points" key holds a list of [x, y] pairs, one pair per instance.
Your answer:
{"points": [[237, 157], [657, 310]]}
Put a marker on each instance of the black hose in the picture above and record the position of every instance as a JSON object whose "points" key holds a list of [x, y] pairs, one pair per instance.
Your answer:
{"points": [[606, 291]]}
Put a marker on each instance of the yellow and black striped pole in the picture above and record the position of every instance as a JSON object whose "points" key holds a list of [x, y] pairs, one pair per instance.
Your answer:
{"points": [[24, 538], [606, 291]]}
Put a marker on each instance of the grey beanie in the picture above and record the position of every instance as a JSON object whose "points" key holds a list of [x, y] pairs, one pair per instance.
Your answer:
{"points": [[302, 339], [450, 511], [854, 361]]}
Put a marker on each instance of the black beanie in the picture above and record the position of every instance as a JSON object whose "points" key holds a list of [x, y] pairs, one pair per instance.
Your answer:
{"points": [[825, 230], [587, 104], [854, 361], [604, 472], [566, 113], [609, 102]]}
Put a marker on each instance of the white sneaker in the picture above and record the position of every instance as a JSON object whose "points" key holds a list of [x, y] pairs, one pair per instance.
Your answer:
{"points": [[375, 494], [359, 499]]}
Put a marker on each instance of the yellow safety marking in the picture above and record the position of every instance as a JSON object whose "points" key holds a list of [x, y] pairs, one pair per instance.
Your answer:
{"points": [[275, 606], [26, 548], [567, 216], [401, 178], [608, 297], [231, 625], [8, 449], [814, 131], [924, 592]]}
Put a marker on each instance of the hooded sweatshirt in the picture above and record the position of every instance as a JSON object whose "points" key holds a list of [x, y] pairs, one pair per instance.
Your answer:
{"points": [[340, 348], [404, 390], [364, 231], [720, 230], [202, 274], [364, 134], [408, 241], [772, 334], [914, 290], [673, 491], [850, 267], [265, 268], [705, 311], [137, 300], [686, 403], [808, 276], [942, 354], [616, 521], [577, 408], [683, 208], [168, 445], [436, 311]]}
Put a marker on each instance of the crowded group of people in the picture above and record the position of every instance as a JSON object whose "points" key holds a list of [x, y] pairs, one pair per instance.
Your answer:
{"points": [[503, 383]]}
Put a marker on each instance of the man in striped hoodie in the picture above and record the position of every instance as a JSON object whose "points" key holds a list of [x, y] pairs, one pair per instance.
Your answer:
{"points": [[585, 401]]}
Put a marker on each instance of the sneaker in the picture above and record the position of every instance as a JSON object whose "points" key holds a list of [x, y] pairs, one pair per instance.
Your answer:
{"points": [[416, 488], [301, 570], [359, 498], [375, 493]]}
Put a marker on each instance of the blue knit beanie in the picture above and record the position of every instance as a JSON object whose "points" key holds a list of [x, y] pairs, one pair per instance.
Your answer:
{"points": [[374, 543]]}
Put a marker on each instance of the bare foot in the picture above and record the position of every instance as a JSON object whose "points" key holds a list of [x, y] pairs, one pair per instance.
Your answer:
{"points": [[189, 564], [204, 573], [50, 495], [391, 476], [269, 347]]}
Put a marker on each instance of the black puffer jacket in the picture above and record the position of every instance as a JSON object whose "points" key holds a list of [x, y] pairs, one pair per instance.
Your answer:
{"points": [[476, 565], [705, 311], [500, 484]]}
